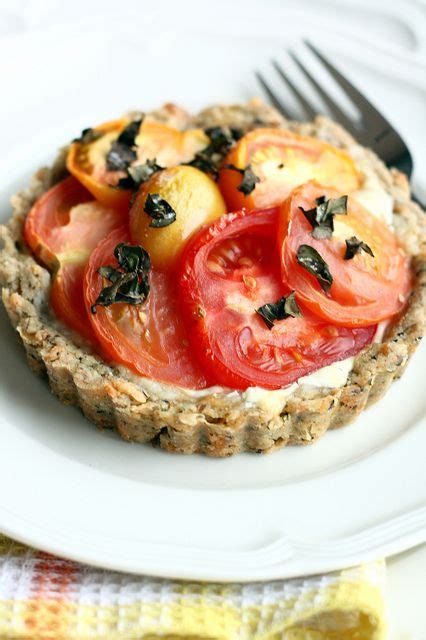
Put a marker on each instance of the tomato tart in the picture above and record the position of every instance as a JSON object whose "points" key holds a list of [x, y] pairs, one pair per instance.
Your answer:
{"points": [[218, 283]]}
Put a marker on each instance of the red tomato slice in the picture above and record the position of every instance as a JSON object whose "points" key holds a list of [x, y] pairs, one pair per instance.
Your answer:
{"points": [[151, 338], [283, 160], [230, 269], [365, 289], [62, 229]]}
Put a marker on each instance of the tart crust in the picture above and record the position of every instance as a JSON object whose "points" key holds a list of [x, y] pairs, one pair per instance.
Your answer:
{"points": [[222, 423]]}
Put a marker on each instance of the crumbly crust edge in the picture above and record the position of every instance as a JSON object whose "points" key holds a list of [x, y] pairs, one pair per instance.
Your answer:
{"points": [[221, 424]]}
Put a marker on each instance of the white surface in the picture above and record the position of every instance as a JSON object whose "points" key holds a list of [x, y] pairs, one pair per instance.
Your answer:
{"points": [[140, 509], [406, 594]]}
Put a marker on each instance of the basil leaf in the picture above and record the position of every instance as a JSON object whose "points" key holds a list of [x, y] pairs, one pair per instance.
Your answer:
{"points": [[211, 157], [130, 281], [205, 163], [129, 133], [88, 135], [354, 246], [321, 217], [310, 259], [119, 157], [279, 310], [138, 174], [122, 152], [249, 181], [221, 139], [132, 257], [291, 307], [161, 212]]}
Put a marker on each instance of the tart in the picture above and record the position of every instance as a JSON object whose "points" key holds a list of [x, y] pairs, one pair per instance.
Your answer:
{"points": [[218, 283]]}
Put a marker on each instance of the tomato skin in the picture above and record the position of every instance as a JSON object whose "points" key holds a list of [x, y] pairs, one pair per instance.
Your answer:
{"points": [[62, 228], [227, 271], [150, 339], [283, 160], [365, 290]]}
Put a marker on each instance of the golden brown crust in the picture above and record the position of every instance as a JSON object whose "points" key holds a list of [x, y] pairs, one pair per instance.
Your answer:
{"points": [[222, 423]]}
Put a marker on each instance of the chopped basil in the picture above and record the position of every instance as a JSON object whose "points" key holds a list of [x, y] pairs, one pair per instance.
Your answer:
{"points": [[354, 246], [310, 259], [161, 212], [205, 163], [130, 281], [283, 308], [321, 217], [222, 139], [119, 157], [138, 174], [129, 133], [88, 135], [210, 158], [249, 181], [122, 152]]}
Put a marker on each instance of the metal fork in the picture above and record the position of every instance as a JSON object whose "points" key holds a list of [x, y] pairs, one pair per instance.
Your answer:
{"points": [[371, 129]]}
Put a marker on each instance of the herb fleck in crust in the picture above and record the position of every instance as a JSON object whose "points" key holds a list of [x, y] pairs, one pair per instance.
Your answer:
{"points": [[222, 423]]}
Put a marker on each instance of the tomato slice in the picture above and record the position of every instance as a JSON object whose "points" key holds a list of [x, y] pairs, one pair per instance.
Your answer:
{"points": [[228, 271], [166, 145], [283, 160], [62, 229], [149, 339], [365, 289]]}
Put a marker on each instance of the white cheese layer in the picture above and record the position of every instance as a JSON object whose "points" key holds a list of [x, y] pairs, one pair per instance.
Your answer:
{"points": [[376, 199]]}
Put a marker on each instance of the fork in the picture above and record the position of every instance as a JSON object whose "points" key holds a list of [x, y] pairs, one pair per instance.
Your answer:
{"points": [[371, 129]]}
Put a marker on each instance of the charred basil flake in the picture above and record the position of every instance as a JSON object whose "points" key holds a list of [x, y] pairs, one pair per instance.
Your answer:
{"points": [[249, 181], [354, 246], [205, 163], [221, 139], [88, 135], [138, 174], [283, 308], [119, 157], [129, 281], [122, 152], [159, 210], [129, 133], [310, 259], [210, 158], [321, 217]]}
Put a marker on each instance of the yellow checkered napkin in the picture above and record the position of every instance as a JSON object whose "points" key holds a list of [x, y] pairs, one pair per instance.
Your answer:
{"points": [[43, 598]]}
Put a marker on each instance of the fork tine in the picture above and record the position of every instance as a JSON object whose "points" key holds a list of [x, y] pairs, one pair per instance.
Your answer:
{"points": [[310, 111], [272, 96], [369, 114], [334, 108]]}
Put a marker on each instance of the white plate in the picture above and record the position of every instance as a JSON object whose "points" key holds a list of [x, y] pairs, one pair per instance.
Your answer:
{"points": [[357, 494]]}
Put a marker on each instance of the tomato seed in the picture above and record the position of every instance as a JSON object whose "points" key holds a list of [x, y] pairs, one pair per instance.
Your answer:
{"points": [[249, 282], [332, 331], [245, 262], [214, 266]]}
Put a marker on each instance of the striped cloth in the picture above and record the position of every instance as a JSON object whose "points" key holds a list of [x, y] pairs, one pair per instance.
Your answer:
{"points": [[43, 597]]}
